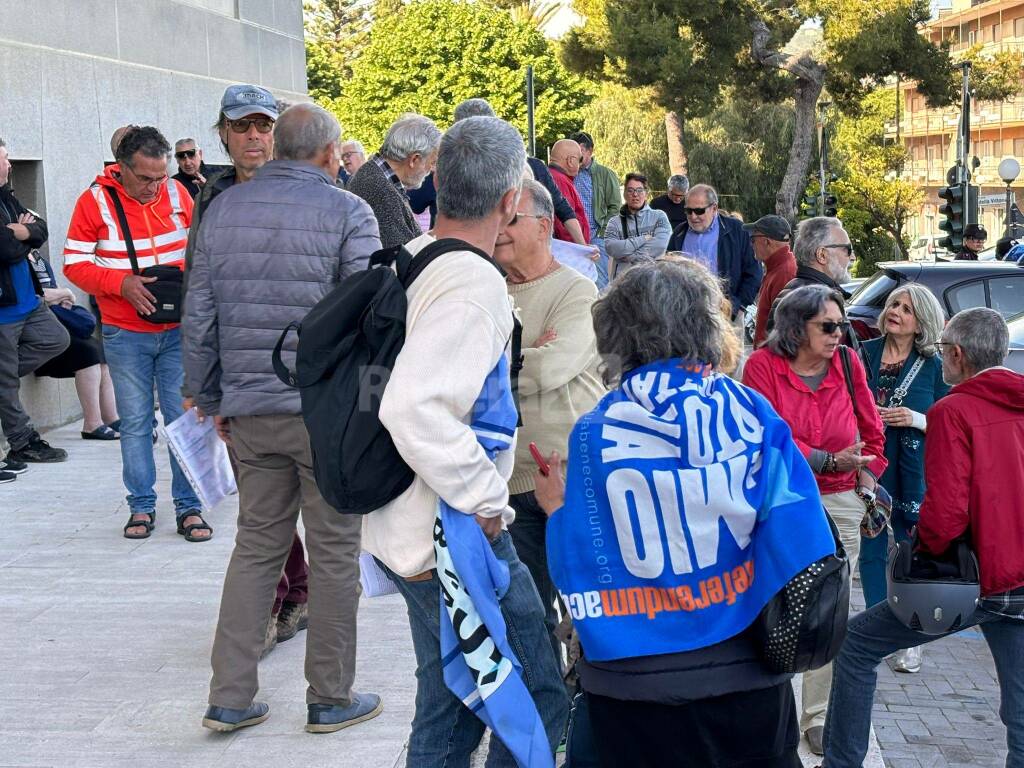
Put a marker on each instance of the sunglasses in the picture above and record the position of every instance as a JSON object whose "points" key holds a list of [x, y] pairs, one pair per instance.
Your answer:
{"points": [[263, 124], [828, 327], [189, 153], [518, 216], [848, 247], [695, 211]]}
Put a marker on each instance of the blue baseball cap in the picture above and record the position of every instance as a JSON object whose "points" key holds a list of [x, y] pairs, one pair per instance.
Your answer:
{"points": [[242, 100]]}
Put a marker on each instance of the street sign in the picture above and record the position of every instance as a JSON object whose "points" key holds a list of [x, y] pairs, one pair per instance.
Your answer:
{"points": [[992, 201]]}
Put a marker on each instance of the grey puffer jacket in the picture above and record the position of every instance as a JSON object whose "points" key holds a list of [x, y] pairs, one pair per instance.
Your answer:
{"points": [[267, 251]]}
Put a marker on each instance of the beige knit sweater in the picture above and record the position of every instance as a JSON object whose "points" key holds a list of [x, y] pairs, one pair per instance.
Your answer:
{"points": [[559, 381]]}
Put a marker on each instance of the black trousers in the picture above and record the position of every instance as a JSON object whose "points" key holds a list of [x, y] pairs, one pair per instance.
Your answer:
{"points": [[751, 729], [528, 533]]}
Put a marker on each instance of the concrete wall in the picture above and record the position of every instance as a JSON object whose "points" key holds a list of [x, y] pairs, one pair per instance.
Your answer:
{"points": [[71, 71]]}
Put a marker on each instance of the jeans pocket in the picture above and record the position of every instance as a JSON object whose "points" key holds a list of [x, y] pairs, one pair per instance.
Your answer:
{"points": [[110, 331]]}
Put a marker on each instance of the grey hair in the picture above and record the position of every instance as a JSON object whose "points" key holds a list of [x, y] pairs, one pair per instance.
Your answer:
{"points": [[679, 183], [473, 108], [928, 313], [710, 195], [540, 199], [658, 311], [812, 234], [793, 312], [303, 130], [408, 135], [356, 145], [186, 140], [982, 335], [479, 161]]}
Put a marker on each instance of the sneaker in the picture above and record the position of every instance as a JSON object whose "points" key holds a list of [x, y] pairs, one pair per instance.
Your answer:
{"points": [[814, 736], [908, 660], [293, 618], [224, 719], [327, 718], [38, 451], [270, 640], [7, 477], [10, 465]]}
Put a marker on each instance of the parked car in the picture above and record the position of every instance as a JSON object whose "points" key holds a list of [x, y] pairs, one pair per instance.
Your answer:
{"points": [[926, 247], [957, 285]]}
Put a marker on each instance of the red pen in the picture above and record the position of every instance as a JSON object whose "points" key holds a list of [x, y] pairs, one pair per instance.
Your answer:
{"points": [[542, 465]]}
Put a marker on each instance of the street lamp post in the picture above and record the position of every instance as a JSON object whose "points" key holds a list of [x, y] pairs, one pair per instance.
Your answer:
{"points": [[1009, 170]]}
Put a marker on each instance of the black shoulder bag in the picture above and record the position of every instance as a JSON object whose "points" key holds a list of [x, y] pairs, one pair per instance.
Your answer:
{"points": [[167, 290]]}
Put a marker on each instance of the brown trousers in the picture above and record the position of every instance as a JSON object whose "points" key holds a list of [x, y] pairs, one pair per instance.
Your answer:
{"points": [[275, 480]]}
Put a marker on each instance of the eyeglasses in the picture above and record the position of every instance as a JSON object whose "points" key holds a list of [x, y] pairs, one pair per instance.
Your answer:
{"points": [[695, 211], [848, 247], [518, 216], [189, 153], [148, 181], [347, 155], [938, 345], [263, 124], [828, 327], [637, 191]]}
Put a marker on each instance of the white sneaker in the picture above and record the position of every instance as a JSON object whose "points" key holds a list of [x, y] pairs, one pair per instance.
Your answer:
{"points": [[908, 660]]}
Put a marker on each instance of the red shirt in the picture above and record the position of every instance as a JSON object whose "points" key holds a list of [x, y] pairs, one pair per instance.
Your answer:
{"points": [[780, 268], [568, 189], [824, 419], [974, 470]]}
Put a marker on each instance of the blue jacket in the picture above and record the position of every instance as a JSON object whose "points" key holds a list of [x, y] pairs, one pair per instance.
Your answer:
{"points": [[904, 446], [736, 262]]}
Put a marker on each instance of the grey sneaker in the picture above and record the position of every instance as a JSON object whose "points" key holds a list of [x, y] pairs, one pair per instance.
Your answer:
{"points": [[327, 718], [270, 641], [226, 720], [293, 618]]}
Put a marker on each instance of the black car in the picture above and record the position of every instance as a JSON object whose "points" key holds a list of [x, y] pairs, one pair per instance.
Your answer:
{"points": [[956, 284]]}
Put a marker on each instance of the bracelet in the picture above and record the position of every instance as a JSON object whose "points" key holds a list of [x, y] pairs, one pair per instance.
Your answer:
{"points": [[830, 463]]}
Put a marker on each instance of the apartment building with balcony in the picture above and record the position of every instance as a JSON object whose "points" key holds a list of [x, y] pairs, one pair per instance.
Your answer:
{"points": [[997, 128]]}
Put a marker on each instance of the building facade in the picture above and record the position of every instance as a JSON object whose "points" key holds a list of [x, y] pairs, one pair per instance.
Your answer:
{"points": [[72, 71], [997, 128]]}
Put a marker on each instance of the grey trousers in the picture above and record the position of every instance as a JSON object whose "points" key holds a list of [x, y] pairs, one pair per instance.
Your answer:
{"points": [[24, 346], [275, 480]]}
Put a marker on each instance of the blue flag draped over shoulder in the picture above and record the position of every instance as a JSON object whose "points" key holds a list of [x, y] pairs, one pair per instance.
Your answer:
{"points": [[479, 664], [687, 507]]}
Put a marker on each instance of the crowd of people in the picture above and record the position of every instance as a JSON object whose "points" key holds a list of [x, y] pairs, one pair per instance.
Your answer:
{"points": [[585, 553]]}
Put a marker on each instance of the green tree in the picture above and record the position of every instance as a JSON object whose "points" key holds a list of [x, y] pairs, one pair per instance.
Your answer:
{"points": [[689, 52], [628, 134], [336, 31], [435, 53]]}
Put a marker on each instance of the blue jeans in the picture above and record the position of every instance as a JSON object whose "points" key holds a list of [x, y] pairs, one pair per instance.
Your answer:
{"points": [[136, 361], [444, 731], [601, 263], [874, 557], [873, 635]]}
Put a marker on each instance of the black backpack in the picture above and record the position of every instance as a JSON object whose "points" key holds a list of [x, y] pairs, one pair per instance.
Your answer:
{"points": [[348, 344]]}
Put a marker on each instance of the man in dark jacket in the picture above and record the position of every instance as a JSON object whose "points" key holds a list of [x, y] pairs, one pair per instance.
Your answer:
{"points": [[310, 235], [720, 243], [974, 486], [823, 257], [405, 159], [192, 171], [29, 332], [974, 242]]}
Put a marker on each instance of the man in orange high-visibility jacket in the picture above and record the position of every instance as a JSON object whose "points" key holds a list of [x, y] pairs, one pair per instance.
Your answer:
{"points": [[157, 211]]}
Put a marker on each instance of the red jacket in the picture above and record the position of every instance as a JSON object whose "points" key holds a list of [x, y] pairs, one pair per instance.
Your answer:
{"points": [[95, 256], [779, 269], [974, 470], [568, 190], [822, 419]]}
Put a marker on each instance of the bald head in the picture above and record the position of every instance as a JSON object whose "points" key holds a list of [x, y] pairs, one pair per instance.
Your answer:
{"points": [[115, 138], [566, 154]]}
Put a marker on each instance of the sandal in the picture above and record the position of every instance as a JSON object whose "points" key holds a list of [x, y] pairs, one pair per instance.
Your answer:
{"points": [[102, 432], [147, 524], [186, 530]]}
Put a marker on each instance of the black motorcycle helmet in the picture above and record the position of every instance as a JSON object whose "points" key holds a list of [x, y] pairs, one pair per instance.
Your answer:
{"points": [[933, 595]]}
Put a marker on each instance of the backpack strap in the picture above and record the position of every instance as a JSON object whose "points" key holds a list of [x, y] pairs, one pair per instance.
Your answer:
{"points": [[426, 256], [844, 356], [129, 242], [516, 365]]}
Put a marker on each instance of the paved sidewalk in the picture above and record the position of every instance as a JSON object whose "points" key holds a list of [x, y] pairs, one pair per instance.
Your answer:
{"points": [[106, 643]]}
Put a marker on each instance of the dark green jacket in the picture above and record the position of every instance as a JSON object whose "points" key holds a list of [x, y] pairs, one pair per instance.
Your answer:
{"points": [[607, 195]]}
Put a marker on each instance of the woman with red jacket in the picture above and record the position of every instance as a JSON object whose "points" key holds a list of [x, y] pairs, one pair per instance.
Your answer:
{"points": [[801, 375]]}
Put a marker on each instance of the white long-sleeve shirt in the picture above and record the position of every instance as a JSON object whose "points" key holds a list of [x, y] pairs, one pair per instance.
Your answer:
{"points": [[459, 322]]}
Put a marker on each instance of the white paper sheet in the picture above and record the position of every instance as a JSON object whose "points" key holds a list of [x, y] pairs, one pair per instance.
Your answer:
{"points": [[375, 582], [203, 458], [575, 256]]}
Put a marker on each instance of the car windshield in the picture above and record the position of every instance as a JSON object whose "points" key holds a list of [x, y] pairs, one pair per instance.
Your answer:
{"points": [[875, 291]]}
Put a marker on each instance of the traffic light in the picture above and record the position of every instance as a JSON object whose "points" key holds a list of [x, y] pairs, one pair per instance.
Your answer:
{"points": [[831, 205], [809, 206], [952, 211]]}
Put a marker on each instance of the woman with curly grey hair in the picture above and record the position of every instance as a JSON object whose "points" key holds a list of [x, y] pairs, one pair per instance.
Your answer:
{"points": [[801, 372], [680, 485], [906, 383]]}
